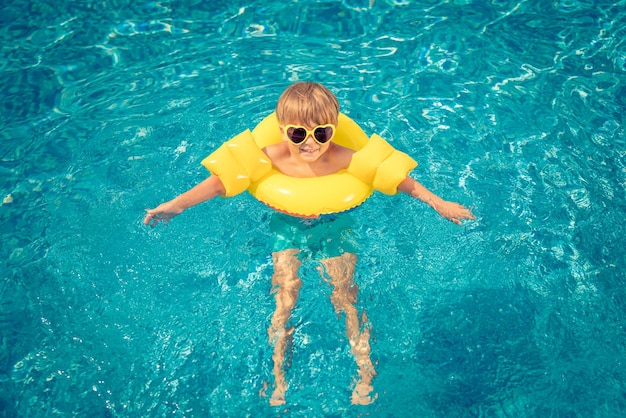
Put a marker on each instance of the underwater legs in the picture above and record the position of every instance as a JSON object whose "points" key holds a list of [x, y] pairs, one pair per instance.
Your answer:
{"points": [[340, 271], [286, 287]]}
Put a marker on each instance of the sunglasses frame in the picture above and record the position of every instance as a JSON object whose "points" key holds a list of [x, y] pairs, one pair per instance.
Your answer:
{"points": [[309, 132]]}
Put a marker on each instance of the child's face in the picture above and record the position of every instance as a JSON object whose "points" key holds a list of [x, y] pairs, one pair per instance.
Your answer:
{"points": [[309, 149]]}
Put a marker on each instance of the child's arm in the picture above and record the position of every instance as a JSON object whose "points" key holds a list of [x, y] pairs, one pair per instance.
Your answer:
{"points": [[208, 189], [454, 212]]}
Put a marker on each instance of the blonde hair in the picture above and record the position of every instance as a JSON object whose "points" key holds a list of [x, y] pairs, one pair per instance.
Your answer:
{"points": [[308, 103]]}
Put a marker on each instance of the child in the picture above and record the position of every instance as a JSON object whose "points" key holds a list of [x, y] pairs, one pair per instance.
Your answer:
{"points": [[311, 106]]}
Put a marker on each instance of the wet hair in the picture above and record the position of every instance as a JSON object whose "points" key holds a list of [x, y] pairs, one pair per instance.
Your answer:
{"points": [[308, 103]]}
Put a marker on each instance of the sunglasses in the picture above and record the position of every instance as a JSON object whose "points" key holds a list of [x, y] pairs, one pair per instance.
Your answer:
{"points": [[298, 134]]}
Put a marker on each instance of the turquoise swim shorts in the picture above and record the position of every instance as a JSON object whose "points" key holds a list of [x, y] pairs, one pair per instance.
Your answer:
{"points": [[324, 237]]}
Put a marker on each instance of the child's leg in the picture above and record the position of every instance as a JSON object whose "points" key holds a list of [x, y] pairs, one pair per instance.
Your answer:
{"points": [[286, 287], [340, 270]]}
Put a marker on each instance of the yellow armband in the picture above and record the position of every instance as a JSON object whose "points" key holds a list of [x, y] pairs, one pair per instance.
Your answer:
{"points": [[238, 163], [381, 165]]}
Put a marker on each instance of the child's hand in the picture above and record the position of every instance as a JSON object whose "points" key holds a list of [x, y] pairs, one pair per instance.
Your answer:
{"points": [[454, 212], [164, 212]]}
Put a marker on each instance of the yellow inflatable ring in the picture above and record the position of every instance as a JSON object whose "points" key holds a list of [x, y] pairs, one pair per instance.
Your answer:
{"points": [[311, 197], [241, 165]]}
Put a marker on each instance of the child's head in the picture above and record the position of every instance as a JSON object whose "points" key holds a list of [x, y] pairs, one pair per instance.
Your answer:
{"points": [[307, 103]]}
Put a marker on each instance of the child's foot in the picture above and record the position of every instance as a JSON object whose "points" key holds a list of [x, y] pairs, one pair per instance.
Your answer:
{"points": [[362, 394], [278, 397]]}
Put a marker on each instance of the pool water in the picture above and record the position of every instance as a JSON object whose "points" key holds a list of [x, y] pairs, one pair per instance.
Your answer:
{"points": [[513, 108]]}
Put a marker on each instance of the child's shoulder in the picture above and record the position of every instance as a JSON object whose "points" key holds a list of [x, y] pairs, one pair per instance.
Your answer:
{"points": [[276, 151], [341, 154], [340, 149]]}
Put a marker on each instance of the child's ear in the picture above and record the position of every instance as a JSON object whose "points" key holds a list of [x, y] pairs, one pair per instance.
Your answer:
{"points": [[282, 133]]}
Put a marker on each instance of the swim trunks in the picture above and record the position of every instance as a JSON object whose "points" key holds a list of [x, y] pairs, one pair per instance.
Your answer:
{"points": [[324, 237]]}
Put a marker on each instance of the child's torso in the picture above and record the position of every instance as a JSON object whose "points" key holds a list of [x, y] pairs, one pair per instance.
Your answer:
{"points": [[333, 160]]}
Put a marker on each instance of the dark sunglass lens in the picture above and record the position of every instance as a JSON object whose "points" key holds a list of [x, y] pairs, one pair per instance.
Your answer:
{"points": [[323, 134], [297, 135]]}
